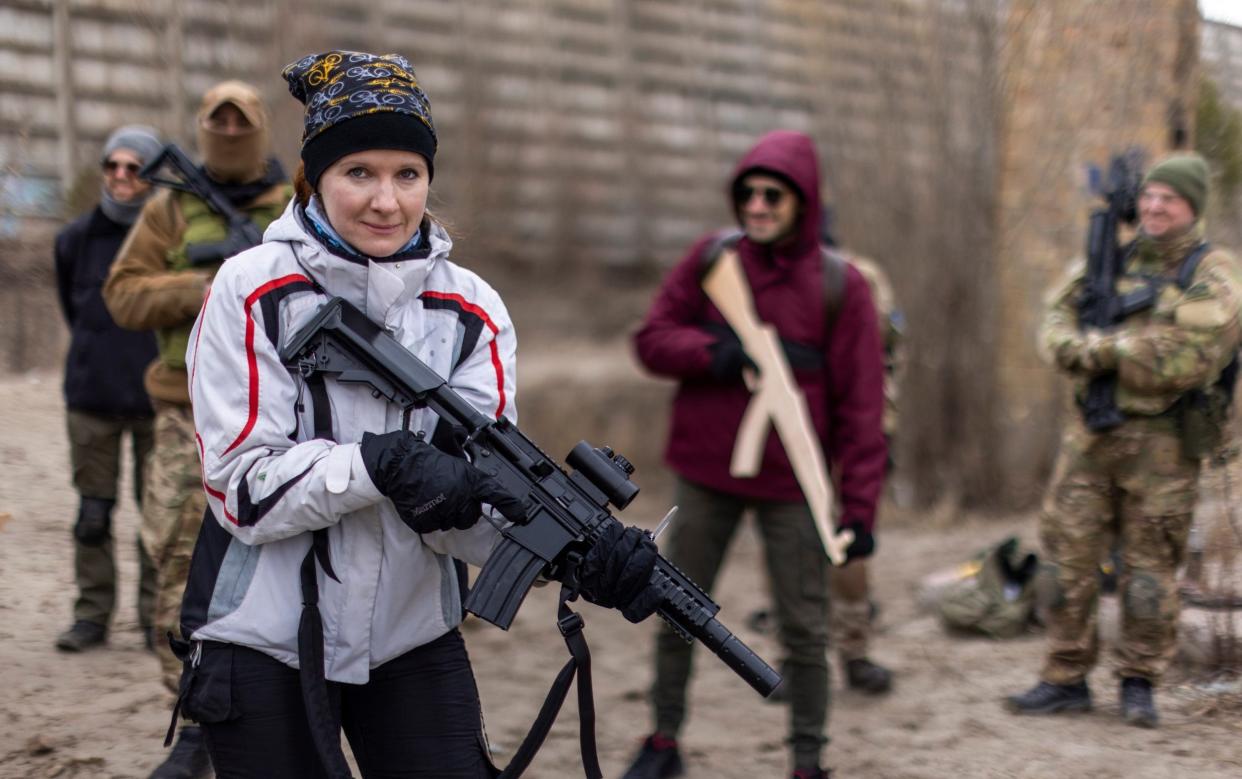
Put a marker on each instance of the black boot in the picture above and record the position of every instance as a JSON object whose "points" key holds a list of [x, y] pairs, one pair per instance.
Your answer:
{"points": [[1048, 698], [865, 676], [83, 635], [188, 759], [658, 759], [1137, 706]]}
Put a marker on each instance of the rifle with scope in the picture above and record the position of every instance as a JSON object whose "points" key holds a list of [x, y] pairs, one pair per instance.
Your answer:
{"points": [[566, 512]]}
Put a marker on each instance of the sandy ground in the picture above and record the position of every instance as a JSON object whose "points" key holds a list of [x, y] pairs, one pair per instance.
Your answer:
{"points": [[103, 713]]}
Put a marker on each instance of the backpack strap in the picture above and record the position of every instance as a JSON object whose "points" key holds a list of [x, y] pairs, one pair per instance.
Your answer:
{"points": [[834, 288], [321, 701], [1186, 273], [1228, 380]]}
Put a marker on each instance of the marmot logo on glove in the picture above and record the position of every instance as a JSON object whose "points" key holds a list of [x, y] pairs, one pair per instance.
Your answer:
{"points": [[429, 505]]}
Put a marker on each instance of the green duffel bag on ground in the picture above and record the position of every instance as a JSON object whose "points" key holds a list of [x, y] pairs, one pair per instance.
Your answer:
{"points": [[996, 594]]}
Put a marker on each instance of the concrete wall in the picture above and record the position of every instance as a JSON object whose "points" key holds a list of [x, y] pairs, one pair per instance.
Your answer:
{"points": [[585, 143]]}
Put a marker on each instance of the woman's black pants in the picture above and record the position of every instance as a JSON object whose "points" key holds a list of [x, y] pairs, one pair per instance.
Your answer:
{"points": [[418, 716]]}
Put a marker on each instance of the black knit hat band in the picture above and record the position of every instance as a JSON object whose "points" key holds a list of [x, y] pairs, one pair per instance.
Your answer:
{"points": [[357, 101], [381, 130]]}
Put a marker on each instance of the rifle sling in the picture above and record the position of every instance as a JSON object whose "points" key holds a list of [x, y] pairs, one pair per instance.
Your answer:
{"points": [[579, 664], [321, 701]]}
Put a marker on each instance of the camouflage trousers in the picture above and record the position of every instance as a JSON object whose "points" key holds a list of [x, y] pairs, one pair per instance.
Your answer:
{"points": [[1134, 484], [851, 610], [172, 513]]}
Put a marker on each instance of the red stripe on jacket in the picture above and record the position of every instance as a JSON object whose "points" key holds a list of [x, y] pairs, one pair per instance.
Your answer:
{"points": [[252, 360], [487, 320], [217, 494]]}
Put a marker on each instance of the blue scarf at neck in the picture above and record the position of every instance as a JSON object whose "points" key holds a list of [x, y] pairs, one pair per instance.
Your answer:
{"points": [[317, 220]]}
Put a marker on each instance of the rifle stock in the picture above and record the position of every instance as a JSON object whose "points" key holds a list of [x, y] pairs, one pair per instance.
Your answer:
{"points": [[566, 511]]}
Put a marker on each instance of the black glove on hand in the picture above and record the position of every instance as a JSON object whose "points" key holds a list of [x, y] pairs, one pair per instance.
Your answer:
{"points": [[616, 572], [728, 359], [862, 545], [432, 490]]}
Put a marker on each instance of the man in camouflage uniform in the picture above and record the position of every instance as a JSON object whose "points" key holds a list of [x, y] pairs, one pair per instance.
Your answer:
{"points": [[1138, 480], [154, 286], [852, 610]]}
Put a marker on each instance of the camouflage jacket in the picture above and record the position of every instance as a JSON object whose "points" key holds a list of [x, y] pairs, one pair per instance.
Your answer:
{"points": [[1181, 343]]}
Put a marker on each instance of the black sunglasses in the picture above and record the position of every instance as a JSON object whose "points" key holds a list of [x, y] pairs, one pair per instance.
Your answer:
{"points": [[113, 165], [771, 195]]}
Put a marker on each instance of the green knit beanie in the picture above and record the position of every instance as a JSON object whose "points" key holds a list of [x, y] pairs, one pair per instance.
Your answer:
{"points": [[1187, 174]]}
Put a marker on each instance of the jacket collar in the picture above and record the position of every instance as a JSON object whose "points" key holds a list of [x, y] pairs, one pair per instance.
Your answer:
{"points": [[374, 287], [1157, 256]]}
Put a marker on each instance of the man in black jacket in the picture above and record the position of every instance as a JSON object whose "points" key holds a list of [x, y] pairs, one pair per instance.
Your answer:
{"points": [[104, 393]]}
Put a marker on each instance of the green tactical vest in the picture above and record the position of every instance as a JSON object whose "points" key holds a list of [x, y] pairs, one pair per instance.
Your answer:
{"points": [[202, 225]]}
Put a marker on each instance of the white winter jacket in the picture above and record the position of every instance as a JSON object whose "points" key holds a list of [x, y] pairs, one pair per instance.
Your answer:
{"points": [[270, 483]]}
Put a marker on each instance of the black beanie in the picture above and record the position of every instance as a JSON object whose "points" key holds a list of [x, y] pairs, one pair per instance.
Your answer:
{"points": [[357, 101]]}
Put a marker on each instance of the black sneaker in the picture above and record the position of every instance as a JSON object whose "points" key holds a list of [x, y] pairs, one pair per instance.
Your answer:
{"points": [[83, 635], [188, 759], [658, 759], [1048, 698], [1137, 706], [812, 773], [865, 676]]}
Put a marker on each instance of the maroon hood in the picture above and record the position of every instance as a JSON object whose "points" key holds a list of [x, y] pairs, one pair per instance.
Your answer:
{"points": [[791, 156]]}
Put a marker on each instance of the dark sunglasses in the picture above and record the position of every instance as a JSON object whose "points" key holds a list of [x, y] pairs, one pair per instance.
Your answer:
{"points": [[771, 195], [112, 166]]}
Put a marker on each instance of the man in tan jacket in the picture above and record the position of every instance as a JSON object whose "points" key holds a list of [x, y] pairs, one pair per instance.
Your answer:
{"points": [[154, 286]]}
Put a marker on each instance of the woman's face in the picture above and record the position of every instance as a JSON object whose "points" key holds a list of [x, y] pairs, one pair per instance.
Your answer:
{"points": [[375, 199]]}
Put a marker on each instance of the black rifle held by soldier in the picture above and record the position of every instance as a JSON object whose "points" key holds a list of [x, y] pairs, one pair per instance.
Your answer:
{"points": [[566, 511], [1100, 307], [242, 232]]}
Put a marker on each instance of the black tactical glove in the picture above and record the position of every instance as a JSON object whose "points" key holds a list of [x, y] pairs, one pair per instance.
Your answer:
{"points": [[616, 572], [862, 545], [94, 525], [432, 490], [728, 359]]}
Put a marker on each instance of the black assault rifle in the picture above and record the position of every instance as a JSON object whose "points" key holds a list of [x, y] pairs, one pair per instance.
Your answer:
{"points": [[242, 232], [565, 511], [1100, 307]]}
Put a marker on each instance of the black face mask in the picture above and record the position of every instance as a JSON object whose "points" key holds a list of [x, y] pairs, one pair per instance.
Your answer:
{"points": [[241, 194]]}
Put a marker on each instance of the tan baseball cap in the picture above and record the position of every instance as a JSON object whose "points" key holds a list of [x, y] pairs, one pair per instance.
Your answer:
{"points": [[240, 94]]}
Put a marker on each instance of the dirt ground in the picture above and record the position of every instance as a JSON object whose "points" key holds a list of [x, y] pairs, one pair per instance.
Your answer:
{"points": [[103, 713]]}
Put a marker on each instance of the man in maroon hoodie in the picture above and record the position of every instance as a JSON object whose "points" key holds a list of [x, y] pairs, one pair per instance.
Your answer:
{"points": [[836, 356]]}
